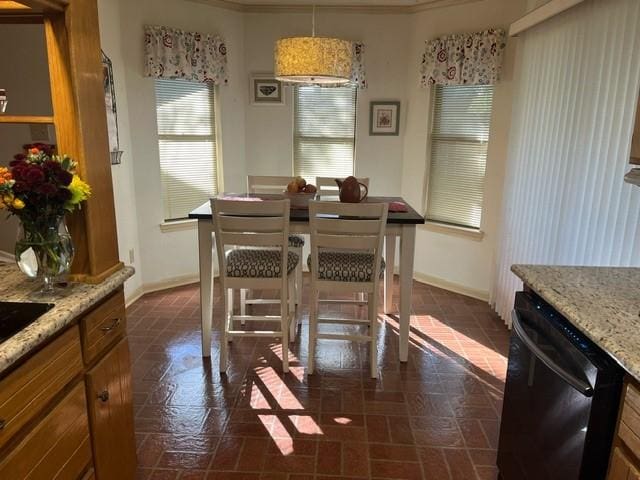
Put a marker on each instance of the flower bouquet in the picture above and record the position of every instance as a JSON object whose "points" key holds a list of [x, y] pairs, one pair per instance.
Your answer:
{"points": [[39, 188]]}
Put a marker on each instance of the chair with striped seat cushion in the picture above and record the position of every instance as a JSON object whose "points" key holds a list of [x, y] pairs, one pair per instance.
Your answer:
{"points": [[252, 244], [346, 244], [252, 263], [346, 266]]}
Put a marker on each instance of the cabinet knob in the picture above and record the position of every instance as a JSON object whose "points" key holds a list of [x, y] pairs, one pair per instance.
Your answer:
{"points": [[104, 395], [114, 324]]}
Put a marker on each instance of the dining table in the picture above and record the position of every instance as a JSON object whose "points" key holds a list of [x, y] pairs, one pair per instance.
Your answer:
{"points": [[402, 220]]}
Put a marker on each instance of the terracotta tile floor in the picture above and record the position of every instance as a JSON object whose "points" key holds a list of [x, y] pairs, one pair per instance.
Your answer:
{"points": [[435, 417]]}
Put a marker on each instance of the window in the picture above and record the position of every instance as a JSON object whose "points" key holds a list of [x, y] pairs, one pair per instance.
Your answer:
{"points": [[324, 135], [187, 143], [459, 139]]}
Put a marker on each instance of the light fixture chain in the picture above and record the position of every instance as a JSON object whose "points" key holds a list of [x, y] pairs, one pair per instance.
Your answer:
{"points": [[313, 20]]}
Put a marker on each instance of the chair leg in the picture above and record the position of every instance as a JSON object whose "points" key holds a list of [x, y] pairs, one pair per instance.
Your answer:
{"points": [[313, 330], [243, 303], [293, 320], [284, 327], [373, 331], [229, 311], [299, 281], [223, 334]]}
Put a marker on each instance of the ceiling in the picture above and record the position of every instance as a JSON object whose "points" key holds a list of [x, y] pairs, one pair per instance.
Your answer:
{"points": [[374, 6]]}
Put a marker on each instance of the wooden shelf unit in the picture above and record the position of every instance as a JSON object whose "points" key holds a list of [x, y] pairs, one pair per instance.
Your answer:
{"points": [[21, 119]]}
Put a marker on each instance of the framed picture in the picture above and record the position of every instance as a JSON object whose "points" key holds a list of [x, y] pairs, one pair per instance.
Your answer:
{"points": [[384, 118], [266, 90]]}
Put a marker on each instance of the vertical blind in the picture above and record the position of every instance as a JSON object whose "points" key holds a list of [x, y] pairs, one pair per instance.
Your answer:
{"points": [[187, 143], [324, 131], [565, 201], [459, 139]]}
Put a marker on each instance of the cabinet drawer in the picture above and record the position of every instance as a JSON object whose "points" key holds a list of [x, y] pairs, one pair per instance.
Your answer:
{"points": [[25, 391], [629, 428], [58, 447], [103, 326]]}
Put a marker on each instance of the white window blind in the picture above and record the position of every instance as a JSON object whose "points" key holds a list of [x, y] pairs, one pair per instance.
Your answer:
{"points": [[324, 131], [187, 142], [459, 139]]}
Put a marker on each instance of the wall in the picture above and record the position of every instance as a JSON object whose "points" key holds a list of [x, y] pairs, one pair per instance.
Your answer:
{"points": [[269, 129], [25, 76], [454, 260], [124, 191], [172, 256]]}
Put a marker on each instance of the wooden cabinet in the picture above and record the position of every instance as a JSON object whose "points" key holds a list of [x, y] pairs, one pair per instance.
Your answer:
{"points": [[625, 457], [68, 416], [111, 414], [56, 448], [26, 391]]}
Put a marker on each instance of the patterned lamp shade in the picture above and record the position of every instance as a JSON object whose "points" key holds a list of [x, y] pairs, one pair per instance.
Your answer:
{"points": [[313, 60]]}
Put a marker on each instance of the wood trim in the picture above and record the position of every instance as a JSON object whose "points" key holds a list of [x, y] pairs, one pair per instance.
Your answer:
{"points": [[26, 119], [46, 5], [541, 14], [9, 5], [451, 286], [95, 279], [362, 9], [73, 47]]}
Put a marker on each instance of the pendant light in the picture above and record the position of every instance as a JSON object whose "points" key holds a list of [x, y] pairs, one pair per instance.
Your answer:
{"points": [[313, 60]]}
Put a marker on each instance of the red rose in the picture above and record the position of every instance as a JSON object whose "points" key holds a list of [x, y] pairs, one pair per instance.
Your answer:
{"points": [[34, 175], [63, 194], [18, 157], [20, 187]]}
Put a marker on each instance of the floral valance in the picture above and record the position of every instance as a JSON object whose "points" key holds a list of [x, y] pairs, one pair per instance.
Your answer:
{"points": [[463, 59], [173, 53]]}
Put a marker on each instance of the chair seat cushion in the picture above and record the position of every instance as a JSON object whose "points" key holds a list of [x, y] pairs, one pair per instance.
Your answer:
{"points": [[296, 241], [253, 263], [346, 266]]}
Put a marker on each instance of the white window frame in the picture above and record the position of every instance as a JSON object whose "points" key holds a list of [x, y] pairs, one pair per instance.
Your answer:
{"points": [[182, 223], [355, 130], [439, 226]]}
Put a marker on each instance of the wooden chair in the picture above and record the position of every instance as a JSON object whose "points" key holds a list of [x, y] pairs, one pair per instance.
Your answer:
{"points": [[274, 185], [346, 256], [253, 252], [327, 185]]}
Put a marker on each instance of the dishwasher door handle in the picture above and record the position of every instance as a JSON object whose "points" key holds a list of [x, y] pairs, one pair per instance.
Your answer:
{"points": [[580, 385]]}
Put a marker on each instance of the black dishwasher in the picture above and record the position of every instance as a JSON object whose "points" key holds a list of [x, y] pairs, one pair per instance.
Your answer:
{"points": [[561, 399]]}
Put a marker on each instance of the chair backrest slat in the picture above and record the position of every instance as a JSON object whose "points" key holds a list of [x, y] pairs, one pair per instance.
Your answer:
{"points": [[343, 242], [337, 226], [251, 224], [250, 207], [267, 184], [328, 186], [252, 239]]}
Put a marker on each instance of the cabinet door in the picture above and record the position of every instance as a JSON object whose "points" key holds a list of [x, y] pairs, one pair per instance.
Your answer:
{"points": [[111, 415]]}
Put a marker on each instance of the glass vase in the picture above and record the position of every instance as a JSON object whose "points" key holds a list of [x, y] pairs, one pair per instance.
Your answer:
{"points": [[44, 250]]}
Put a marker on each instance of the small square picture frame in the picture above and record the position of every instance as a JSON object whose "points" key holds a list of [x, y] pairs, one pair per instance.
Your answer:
{"points": [[266, 90], [384, 118]]}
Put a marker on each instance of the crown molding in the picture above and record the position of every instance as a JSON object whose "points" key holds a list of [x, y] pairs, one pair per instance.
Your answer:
{"points": [[371, 9]]}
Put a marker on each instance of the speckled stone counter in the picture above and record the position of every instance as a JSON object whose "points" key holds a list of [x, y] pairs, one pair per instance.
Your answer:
{"points": [[603, 302], [70, 303]]}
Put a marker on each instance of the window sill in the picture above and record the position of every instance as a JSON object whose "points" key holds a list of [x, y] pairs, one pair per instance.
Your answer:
{"points": [[453, 230], [178, 225]]}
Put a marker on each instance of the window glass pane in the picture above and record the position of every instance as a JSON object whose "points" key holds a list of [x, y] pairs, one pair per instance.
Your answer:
{"points": [[459, 140], [187, 145], [324, 131]]}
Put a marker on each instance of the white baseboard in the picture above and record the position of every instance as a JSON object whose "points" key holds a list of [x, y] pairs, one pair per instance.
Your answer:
{"points": [[417, 276], [162, 285], [451, 286]]}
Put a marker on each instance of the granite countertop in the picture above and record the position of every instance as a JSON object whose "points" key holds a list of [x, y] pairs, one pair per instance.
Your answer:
{"points": [[602, 302], [70, 303]]}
